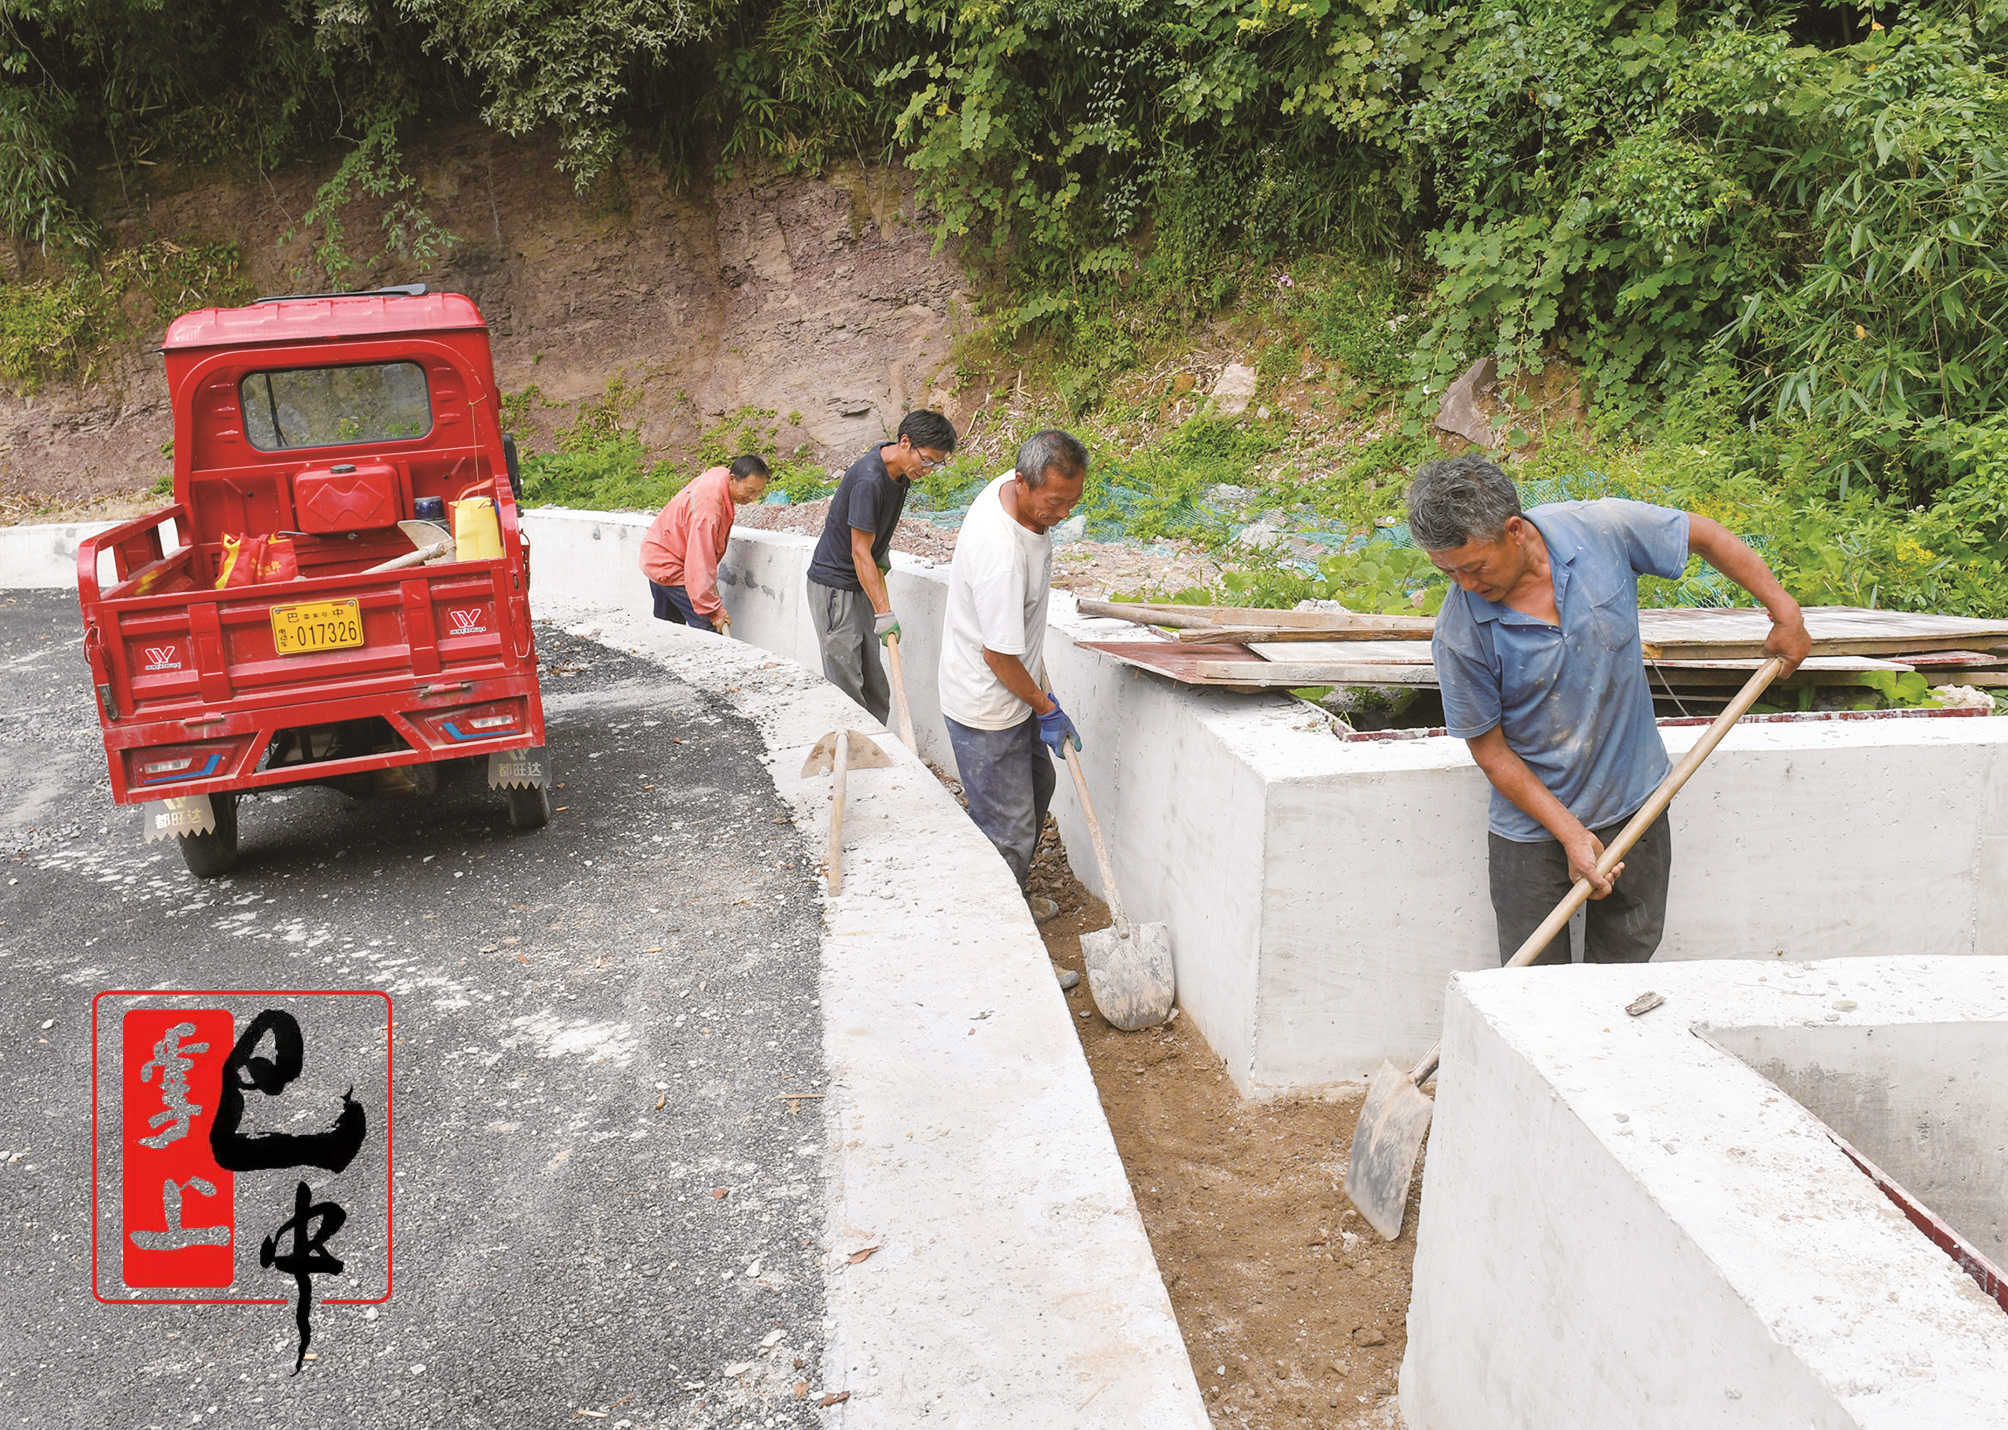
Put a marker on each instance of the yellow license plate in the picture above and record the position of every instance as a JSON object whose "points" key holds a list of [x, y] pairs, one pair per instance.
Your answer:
{"points": [[316, 625]]}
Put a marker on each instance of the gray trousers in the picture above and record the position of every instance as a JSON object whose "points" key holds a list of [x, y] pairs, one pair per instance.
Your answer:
{"points": [[1624, 926], [843, 622], [1007, 777]]}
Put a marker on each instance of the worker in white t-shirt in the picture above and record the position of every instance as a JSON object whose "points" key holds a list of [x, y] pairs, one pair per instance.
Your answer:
{"points": [[1001, 718]]}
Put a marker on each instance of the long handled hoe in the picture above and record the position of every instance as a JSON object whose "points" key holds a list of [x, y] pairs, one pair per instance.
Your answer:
{"points": [[1396, 1115]]}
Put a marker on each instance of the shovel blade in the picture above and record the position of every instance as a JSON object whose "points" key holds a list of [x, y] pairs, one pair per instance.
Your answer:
{"points": [[1129, 974], [1386, 1143], [422, 534]]}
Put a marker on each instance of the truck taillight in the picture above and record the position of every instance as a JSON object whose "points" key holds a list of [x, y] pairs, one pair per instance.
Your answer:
{"points": [[165, 765], [490, 720]]}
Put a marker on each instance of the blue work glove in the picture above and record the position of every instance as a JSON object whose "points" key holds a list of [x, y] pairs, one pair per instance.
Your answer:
{"points": [[1055, 729], [884, 623]]}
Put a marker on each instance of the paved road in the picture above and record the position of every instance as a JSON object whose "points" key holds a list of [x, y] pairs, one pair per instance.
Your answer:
{"points": [[560, 1242]]}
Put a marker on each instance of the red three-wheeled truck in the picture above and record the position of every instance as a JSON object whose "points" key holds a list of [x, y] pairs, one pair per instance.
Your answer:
{"points": [[340, 590]]}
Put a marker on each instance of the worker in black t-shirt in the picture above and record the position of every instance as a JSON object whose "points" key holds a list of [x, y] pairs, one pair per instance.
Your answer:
{"points": [[848, 603]]}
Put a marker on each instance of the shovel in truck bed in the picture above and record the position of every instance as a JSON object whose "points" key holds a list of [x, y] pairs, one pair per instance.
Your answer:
{"points": [[1395, 1117], [430, 542]]}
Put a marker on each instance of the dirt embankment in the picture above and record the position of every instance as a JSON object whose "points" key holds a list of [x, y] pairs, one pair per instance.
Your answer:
{"points": [[818, 299]]}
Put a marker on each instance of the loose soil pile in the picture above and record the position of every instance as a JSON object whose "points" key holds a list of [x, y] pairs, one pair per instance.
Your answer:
{"points": [[1094, 569]]}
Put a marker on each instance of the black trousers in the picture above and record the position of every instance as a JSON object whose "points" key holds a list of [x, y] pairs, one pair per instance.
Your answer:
{"points": [[1528, 880], [672, 603]]}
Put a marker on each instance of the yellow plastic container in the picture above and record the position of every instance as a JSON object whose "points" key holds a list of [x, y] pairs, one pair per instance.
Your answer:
{"points": [[477, 535]]}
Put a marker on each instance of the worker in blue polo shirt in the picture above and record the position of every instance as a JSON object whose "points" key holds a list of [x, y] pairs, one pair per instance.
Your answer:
{"points": [[1537, 652]]}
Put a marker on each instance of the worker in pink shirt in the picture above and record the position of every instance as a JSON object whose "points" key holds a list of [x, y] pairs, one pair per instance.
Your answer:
{"points": [[685, 543]]}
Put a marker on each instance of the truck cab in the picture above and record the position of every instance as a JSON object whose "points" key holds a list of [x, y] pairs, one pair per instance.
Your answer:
{"points": [[339, 591]]}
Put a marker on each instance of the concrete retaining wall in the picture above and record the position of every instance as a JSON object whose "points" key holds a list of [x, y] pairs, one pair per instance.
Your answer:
{"points": [[1319, 892], [1625, 1224], [44, 557]]}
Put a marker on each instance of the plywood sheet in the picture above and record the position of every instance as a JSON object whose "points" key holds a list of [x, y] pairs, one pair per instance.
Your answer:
{"points": [[1181, 662], [1836, 630], [1346, 652]]}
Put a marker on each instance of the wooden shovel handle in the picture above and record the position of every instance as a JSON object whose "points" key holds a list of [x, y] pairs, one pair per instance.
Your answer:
{"points": [[1109, 893], [901, 712], [839, 780], [1635, 827], [420, 557]]}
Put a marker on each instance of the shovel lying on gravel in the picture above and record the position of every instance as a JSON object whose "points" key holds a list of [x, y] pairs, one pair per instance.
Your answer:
{"points": [[1129, 966], [837, 754], [1396, 1115]]}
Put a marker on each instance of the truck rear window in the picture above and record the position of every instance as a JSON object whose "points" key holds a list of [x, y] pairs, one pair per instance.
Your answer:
{"points": [[328, 406]]}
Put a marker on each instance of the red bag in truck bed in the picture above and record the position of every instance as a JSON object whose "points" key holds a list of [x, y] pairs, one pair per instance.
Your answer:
{"points": [[255, 560]]}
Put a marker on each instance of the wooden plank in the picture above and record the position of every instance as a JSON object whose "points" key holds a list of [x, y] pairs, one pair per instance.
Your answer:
{"points": [[1741, 669], [1365, 628], [1836, 630], [1288, 673], [1180, 662], [1177, 617], [1389, 652], [1822, 645], [1265, 618], [1956, 659]]}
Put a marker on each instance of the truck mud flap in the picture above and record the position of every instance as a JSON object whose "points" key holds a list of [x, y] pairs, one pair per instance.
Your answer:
{"points": [[528, 768], [177, 815]]}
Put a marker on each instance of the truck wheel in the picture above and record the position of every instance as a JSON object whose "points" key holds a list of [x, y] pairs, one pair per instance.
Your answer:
{"points": [[529, 807], [211, 855]]}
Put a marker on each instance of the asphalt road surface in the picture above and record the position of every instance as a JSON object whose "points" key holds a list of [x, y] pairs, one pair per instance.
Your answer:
{"points": [[606, 1211]]}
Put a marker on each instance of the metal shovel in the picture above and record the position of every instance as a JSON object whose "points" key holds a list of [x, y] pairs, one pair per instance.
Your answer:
{"points": [[1129, 966], [837, 754], [430, 541], [1396, 1115]]}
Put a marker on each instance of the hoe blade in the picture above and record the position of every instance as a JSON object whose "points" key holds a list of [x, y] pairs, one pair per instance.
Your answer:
{"points": [[1386, 1143], [865, 754]]}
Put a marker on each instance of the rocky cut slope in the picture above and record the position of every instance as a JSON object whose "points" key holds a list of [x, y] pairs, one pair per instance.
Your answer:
{"points": [[819, 299]]}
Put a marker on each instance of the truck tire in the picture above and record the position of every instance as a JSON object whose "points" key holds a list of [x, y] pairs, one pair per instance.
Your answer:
{"points": [[209, 856], [529, 807]]}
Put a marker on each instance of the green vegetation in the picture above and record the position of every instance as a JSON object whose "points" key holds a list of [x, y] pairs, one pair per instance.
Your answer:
{"points": [[753, 430], [53, 329], [1763, 240], [601, 462]]}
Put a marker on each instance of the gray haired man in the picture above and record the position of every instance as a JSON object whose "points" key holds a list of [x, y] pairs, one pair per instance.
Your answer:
{"points": [[1537, 652], [1001, 718]]}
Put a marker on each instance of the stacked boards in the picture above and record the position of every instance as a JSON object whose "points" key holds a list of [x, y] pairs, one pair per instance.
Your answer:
{"points": [[1695, 658]]}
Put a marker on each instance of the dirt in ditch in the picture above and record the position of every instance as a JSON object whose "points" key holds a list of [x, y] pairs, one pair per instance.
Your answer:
{"points": [[1294, 1311]]}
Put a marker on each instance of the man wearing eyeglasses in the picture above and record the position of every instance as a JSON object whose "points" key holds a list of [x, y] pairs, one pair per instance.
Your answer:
{"points": [[848, 602]]}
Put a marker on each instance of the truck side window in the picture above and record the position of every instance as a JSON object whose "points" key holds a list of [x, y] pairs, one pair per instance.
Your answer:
{"points": [[328, 406]]}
